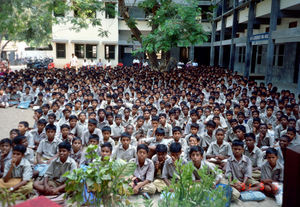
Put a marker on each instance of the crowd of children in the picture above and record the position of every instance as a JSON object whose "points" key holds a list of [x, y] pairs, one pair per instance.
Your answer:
{"points": [[205, 115]]}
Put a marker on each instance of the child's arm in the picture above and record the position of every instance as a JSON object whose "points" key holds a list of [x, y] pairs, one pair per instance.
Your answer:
{"points": [[39, 158], [8, 174], [52, 158], [140, 185]]}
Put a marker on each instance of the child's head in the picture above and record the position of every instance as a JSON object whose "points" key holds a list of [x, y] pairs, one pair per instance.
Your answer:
{"points": [[177, 133], [229, 115], [162, 118], [284, 120], [142, 152], [94, 139], [250, 140], [140, 121], [125, 140], [220, 135], [233, 123], [155, 121], [5, 146], [210, 126], [106, 132], [76, 144], [240, 131], [194, 115], [194, 128], [196, 154], [263, 128], [106, 150], [161, 151], [241, 117], [13, 133], [237, 148], [65, 130], [50, 131], [20, 140], [118, 119], [64, 149], [92, 125], [159, 134], [73, 121], [194, 140], [23, 127], [18, 152], [291, 132], [284, 141], [175, 150], [41, 124], [271, 155]]}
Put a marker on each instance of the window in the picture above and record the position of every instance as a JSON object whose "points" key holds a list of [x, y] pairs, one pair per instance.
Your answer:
{"points": [[259, 54], [242, 51], [60, 50], [91, 51], [278, 55], [110, 12], [80, 12], [79, 50], [109, 51]]}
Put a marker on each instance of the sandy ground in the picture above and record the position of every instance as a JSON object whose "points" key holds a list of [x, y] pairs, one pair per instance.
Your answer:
{"points": [[10, 117]]}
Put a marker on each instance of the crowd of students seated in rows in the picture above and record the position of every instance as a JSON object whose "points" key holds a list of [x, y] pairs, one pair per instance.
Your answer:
{"points": [[205, 115]]}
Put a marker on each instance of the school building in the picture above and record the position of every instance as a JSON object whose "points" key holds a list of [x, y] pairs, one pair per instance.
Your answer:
{"points": [[258, 38]]}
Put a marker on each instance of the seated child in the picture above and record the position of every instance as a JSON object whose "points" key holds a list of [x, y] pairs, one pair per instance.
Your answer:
{"points": [[38, 133], [106, 151], [154, 126], [169, 169], [159, 161], [139, 131], [124, 150], [17, 173], [6, 154], [239, 167], [230, 135], [284, 142], [240, 132], [93, 140], [13, 133], [47, 150], [208, 136], [53, 182], [153, 141], [65, 133], [271, 171], [106, 133], [91, 130], [255, 154], [24, 130], [219, 151], [196, 155], [29, 154], [117, 129], [263, 139], [193, 140], [177, 137], [76, 150], [144, 173]]}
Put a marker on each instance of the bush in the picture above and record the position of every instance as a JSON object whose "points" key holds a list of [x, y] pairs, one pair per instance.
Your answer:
{"points": [[101, 182]]}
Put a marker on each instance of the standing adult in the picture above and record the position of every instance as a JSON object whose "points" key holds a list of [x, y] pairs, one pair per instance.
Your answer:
{"points": [[74, 62]]}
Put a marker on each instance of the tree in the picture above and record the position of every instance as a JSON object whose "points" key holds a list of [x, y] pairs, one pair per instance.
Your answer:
{"points": [[172, 24], [25, 20]]}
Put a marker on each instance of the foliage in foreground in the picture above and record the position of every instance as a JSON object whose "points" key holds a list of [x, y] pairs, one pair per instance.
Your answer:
{"points": [[9, 199], [189, 193], [106, 181]]}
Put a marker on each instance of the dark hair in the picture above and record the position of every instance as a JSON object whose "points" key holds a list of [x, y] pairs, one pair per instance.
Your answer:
{"points": [[196, 149], [20, 148], [125, 134], [65, 145], [106, 129], [155, 118], [50, 127], [240, 127], [6, 140], [73, 117], [291, 129], [18, 139], [94, 136], [42, 121], [195, 136], [93, 121], [270, 151], [64, 126], [76, 138], [25, 123], [160, 131], [142, 146], [176, 129], [220, 130], [211, 123], [195, 125], [163, 114], [108, 145], [161, 148], [175, 147], [52, 115], [250, 135], [15, 130], [237, 143]]}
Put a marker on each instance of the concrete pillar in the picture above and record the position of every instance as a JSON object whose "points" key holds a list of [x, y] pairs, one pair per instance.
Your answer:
{"points": [[223, 27], [233, 35], [251, 17], [192, 53], [213, 37], [275, 7]]}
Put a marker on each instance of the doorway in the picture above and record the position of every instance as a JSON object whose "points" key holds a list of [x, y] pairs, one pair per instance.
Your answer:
{"points": [[253, 58]]}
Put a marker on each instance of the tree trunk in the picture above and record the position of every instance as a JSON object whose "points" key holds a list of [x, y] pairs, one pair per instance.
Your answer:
{"points": [[2, 47], [136, 32]]}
